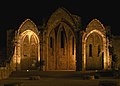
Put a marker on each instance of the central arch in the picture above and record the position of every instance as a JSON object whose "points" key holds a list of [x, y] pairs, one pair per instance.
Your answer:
{"points": [[61, 40], [62, 48]]}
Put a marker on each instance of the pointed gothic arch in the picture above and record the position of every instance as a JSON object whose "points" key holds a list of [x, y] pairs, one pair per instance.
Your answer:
{"points": [[27, 38], [63, 59], [96, 28]]}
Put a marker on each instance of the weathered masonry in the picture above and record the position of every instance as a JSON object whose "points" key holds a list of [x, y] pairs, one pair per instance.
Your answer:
{"points": [[62, 44]]}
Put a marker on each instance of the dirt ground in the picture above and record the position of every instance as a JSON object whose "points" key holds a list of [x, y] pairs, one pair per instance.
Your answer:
{"points": [[65, 78], [55, 82]]}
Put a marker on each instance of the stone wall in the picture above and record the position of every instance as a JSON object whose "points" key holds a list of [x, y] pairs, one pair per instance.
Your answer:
{"points": [[8, 67], [6, 70], [94, 57], [61, 57], [116, 47]]}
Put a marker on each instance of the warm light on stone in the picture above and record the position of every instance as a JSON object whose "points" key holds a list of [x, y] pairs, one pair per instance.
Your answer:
{"points": [[58, 46], [22, 52], [104, 45]]}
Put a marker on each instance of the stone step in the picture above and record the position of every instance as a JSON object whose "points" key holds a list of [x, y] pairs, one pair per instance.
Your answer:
{"points": [[58, 73], [44, 73]]}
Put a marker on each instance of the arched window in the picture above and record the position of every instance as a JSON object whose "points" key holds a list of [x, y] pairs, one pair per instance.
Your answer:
{"points": [[90, 50], [98, 50], [62, 39], [52, 45], [51, 42], [73, 46]]}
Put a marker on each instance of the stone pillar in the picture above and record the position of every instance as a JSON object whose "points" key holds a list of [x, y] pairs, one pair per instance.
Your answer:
{"points": [[78, 51], [18, 58], [42, 59]]}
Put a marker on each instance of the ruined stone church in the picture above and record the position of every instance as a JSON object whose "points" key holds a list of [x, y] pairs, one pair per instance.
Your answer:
{"points": [[62, 44]]}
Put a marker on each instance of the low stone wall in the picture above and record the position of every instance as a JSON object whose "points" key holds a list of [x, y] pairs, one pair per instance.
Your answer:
{"points": [[4, 73], [6, 70]]}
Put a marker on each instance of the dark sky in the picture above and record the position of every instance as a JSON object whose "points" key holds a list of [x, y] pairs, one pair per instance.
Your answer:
{"points": [[13, 13]]}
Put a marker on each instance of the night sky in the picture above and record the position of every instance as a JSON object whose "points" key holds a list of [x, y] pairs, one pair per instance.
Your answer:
{"points": [[13, 13]]}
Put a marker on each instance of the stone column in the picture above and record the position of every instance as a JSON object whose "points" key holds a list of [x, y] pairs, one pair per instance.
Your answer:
{"points": [[78, 51]]}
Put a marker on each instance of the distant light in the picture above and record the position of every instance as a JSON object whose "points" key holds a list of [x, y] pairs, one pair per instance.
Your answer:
{"points": [[27, 70]]}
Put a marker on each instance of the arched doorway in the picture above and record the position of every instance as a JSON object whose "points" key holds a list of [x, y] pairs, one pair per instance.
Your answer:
{"points": [[61, 49], [29, 50], [62, 58], [94, 50]]}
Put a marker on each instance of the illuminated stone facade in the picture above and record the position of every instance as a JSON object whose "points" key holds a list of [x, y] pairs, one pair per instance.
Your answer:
{"points": [[62, 44], [95, 47]]}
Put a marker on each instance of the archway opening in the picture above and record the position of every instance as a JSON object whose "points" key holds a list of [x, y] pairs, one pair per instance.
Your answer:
{"points": [[94, 50], [61, 48], [100, 48], [28, 50]]}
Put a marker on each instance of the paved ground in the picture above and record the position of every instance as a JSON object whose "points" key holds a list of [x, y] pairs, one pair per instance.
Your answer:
{"points": [[54, 82], [56, 79]]}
